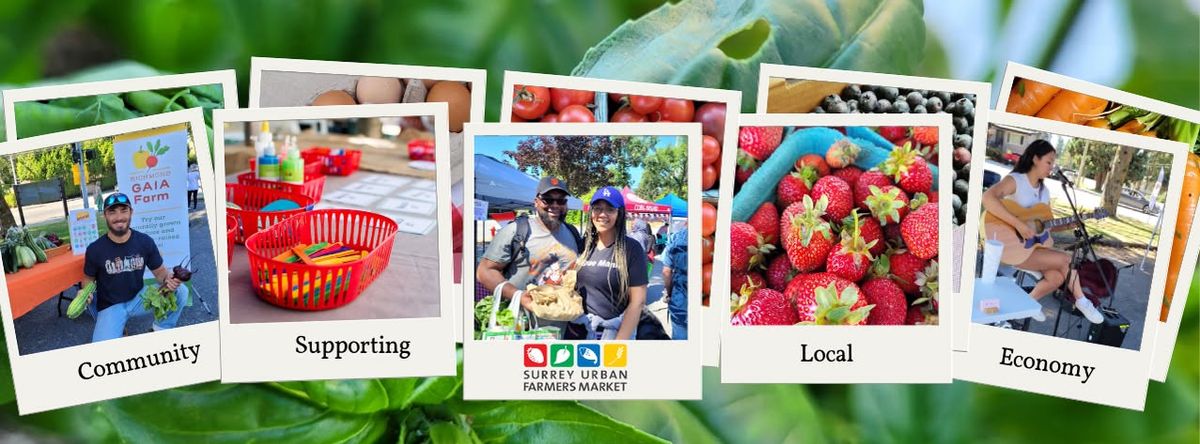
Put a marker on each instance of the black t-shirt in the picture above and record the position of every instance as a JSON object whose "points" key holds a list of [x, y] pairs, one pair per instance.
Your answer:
{"points": [[597, 279], [119, 269]]}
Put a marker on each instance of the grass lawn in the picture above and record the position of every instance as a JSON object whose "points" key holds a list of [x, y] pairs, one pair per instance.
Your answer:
{"points": [[60, 228], [1125, 230]]}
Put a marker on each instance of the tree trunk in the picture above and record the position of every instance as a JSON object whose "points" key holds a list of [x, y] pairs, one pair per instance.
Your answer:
{"points": [[1116, 176], [6, 217], [1082, 164]]}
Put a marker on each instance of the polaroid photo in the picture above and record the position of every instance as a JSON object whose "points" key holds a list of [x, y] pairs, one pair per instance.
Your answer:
{"points": [[88, 309], [835, 250], [1028, 91], [625, 101], [276, 82], [319, 289], [797, 89], [1060, 304], [555, 316]]}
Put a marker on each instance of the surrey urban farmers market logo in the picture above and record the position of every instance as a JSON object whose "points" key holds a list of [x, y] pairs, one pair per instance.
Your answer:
{"points": [[575, 367], [147, 156]]}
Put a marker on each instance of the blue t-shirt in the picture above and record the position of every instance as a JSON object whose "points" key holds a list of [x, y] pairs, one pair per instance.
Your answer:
{"points": [[675, 257], [119, 268]]}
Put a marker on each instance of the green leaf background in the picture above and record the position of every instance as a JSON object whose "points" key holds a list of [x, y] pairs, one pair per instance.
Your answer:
{"points": [[694, 42]]}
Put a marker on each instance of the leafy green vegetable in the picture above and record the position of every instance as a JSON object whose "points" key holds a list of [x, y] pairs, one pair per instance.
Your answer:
{"points": [[720, 44], [546, 421]]}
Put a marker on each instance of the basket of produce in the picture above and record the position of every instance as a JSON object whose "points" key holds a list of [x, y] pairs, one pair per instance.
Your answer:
{"points": [[556, 302], [336, 162], [231, 232], [254, 209], [21, 249], [53, 245], [314, 184], [321, 259]]}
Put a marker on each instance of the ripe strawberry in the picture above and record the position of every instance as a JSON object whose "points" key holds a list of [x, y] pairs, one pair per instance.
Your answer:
{"points": [[888, 204], [893, 133], [780, 272], [927, 280], [906, 166], [795, 185], [841, 198], [842, 153], [816, 161], [849, 174], [806, 237], [918, 315], [891, 232], [869, 230], [765, 307], [920, 231], [825, 299], [904, 267], [925, 135], [850, 258], [891, 306], [766, 222], [746, 166], [746, 247], [743, 283], [760, 141], [862, 186]]}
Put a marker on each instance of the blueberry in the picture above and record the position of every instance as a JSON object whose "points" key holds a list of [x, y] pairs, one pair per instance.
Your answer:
{"points": [[951, 108], [829, 100], [970, 129], [818, 110], [964, 106], [852, 104], [882, 106], [933, 105], [914, 98], [956, 96], [839, 108], [962, 140], [960, 123], [919, 109], [851, 92], [900, 107], [889, 93]]}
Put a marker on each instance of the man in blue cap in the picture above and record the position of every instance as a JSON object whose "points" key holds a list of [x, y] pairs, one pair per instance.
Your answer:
{"points": [[117, 262]]}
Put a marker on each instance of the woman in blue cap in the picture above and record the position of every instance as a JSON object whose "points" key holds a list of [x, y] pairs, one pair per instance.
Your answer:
{"points": [[611, 274]]}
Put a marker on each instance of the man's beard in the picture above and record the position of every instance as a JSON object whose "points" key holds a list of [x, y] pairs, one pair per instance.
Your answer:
{"points": [[120, 232], [550, 222]]}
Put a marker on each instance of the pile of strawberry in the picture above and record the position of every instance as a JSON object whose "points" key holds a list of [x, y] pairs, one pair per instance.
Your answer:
{"points": [[839, 245]]}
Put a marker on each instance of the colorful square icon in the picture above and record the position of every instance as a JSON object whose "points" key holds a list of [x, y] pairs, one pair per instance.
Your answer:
{"points": [[615, 355], [562, 355], [588, 355], [535, 355]]}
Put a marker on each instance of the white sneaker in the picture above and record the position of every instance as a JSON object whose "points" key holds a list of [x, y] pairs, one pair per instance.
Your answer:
{"points": [[1089, 311]]}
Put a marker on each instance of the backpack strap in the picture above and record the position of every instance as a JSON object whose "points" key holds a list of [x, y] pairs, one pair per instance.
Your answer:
{"points": [[517, 251]]}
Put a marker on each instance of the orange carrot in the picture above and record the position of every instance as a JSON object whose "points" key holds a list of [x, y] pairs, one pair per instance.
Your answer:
{"points": [[1097, 123], [1183, 225], [1028, 97], [1133, 126], [1070, 106]]}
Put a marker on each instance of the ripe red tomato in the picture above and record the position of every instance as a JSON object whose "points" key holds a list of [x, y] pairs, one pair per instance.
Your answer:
{"points": [[576, 113], [561, 98], [615, 97], [515, 118], [626, 115], [710, 150], [645, 104], [677, 110], [550, 118], [708, 220], [711, 116], [816, 161], [707, 281], [708, 178], [707, 245], [530, 102]]}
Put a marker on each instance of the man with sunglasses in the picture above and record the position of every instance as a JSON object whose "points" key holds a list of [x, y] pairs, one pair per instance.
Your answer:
{"points": [[117, 262], [532, 250]]}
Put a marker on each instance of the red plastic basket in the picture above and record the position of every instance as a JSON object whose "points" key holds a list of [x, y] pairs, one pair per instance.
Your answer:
{"points": [[319, 287], [313, 169], [314, 184], [231, 231], [339, 164], [250, 199]]}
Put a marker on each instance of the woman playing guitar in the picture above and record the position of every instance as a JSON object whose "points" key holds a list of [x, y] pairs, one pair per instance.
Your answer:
{"points": [[1026, 187]]}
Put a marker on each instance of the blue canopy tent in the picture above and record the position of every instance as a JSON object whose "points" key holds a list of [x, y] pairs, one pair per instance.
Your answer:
{"points": [[506, 188], [678, 205]]}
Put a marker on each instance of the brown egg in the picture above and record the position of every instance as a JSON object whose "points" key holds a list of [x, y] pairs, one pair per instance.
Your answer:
{"points": [[379, 90], [333, 97], [457, 98]]}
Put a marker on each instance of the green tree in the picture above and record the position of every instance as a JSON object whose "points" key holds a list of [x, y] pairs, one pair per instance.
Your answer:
{"points": [[585, 162], [665, 171]]}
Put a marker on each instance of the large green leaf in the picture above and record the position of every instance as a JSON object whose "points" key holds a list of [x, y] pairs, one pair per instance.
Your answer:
{"points": [[1164, 65], [546, 421], [902, 413], [750, 413], [721, 43]]}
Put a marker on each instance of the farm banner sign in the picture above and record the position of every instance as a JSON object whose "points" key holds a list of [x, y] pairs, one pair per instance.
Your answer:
{"points": [[152, 170]]}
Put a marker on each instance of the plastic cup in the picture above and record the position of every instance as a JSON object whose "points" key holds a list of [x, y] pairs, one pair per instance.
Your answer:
{"points": [[992, 249]]}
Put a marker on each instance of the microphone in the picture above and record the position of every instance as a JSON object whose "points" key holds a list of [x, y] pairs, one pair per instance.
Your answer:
{"points": [[1058, 173]]}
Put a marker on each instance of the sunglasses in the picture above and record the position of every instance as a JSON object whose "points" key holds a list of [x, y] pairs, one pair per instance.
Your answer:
{"points": [[120, 198], [553, 201]]}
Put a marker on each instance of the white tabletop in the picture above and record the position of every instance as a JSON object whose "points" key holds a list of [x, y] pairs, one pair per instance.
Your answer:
{"points": [[1015, 303]]}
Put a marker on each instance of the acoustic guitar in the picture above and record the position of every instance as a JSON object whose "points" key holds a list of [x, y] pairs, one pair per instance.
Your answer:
{"points": [[1039, 217]]}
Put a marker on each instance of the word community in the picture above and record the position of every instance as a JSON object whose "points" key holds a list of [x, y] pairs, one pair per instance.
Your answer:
{"points": [[88, 370], [562, 380], [337, 348], [1046, 365]]}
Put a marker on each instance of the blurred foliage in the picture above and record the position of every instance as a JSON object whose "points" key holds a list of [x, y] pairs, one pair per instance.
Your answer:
{"points": [[40, 40]]}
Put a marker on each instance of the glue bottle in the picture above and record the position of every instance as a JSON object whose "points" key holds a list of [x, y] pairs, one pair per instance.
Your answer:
{"points": [[268, 163], [292, 167]]}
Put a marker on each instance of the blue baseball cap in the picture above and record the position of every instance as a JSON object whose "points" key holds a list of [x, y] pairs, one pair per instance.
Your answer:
{"points": [[611, 195]]}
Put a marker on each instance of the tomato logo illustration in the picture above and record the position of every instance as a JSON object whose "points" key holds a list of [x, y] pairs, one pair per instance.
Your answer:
{"points": [[147, 156]]}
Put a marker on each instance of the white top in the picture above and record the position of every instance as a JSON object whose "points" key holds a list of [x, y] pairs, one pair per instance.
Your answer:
{"points": [[1026, 195], [193, 180]]}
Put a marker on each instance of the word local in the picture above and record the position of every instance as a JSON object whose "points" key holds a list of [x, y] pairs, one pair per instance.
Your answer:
{"points": [[823, 355], [562, 380]]}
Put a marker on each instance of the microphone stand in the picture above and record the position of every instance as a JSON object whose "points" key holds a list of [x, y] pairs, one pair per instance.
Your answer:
{"points": [[1077, 256]]}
